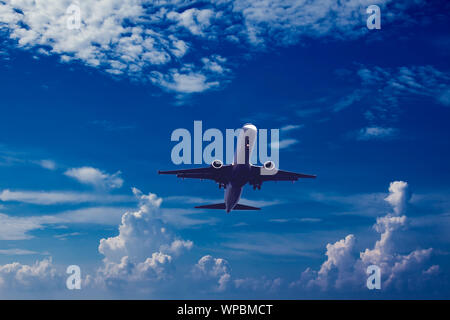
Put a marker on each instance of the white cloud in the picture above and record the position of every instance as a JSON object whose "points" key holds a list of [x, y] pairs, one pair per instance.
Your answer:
{"points": [[137, 38], [192, 79], [47, 164], [12, 228], [24, 278], [341, 258], [177, 246], [195, 20], [349, 100], [183, 82], [283, 144], [343, 269], [95, 177], [19, 228], [129, 37], [17, 252], [216, 269], [10, 157], [399, 196], [371, 133], [143, 249], [291, 127], [215, 273], [59, 197]]}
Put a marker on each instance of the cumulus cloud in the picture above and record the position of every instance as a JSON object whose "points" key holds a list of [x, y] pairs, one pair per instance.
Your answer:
{"points": [[24, 278], [144, 248], [399, 196], [142, 253], [215, 274], [344, 269], [216, 269], [95, 177]]}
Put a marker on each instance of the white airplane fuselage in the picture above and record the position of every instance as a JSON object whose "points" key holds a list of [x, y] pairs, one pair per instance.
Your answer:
{"points": [[241, 166]]}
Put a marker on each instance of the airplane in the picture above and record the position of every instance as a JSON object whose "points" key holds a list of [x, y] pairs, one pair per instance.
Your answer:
{"points": [[235, 176]]}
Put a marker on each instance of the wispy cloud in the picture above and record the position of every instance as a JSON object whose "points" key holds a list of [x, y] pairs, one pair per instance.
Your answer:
{"points": [[284, 144], [60, 197], [377, 133], [271, 244], [19, 228], [291, 127], [95, 177], [17, 252], [47, 164], [288, 220]]}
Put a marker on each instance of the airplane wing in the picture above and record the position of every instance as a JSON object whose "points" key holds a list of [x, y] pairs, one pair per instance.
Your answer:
{"points": [[280, 175], [208, 173]]}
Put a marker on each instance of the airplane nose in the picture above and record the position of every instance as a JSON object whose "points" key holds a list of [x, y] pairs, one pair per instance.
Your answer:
{"points": [[249, 126]]}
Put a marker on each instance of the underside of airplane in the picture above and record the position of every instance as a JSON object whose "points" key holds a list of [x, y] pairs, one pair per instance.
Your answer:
{"points": [[234, 176]]}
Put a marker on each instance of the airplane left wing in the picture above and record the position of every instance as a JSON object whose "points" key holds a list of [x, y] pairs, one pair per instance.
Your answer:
{"points": [[208, 173]]}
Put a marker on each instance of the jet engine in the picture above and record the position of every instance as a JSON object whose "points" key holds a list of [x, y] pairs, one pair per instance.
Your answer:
{"points": [[217, 164], [269, 165]]}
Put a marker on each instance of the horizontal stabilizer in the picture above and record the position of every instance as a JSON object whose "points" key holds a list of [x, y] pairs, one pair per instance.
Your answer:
{"points": [[222, 206], [212, 206], [244, 207]]}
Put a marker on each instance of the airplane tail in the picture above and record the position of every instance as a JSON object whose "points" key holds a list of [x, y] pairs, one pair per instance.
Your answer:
{"points": [[222, 206]]}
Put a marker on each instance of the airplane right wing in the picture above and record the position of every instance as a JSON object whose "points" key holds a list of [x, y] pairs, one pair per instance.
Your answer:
{"points": [[279, 175]]}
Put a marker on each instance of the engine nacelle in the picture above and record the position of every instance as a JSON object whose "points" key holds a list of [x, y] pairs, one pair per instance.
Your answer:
{"points": [[217, 164], [269, 165]]}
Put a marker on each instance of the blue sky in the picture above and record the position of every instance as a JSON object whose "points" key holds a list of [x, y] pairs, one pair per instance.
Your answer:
{"points": [[86, 122]]}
